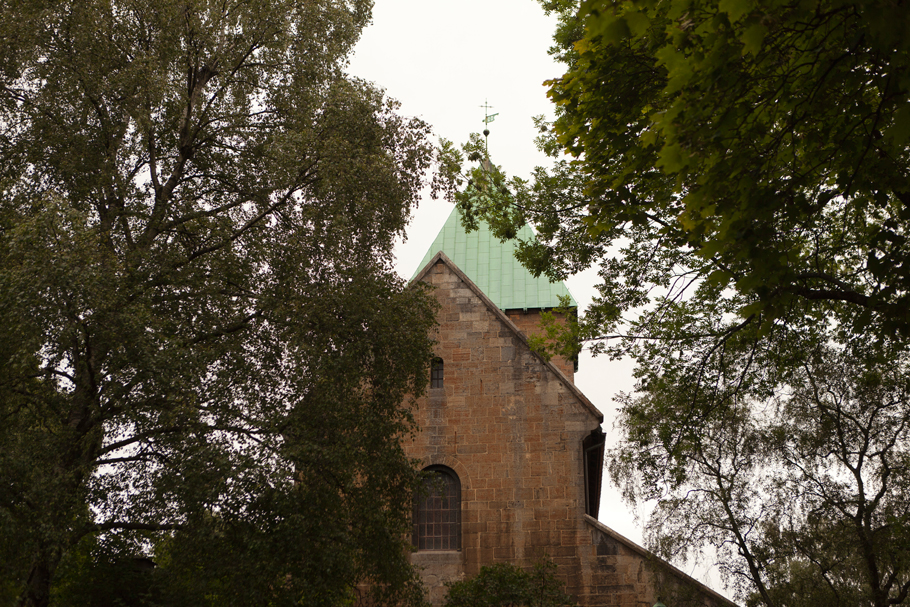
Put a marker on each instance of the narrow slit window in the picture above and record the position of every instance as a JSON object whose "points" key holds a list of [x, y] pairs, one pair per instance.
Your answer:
{"points": [[436, 373]]}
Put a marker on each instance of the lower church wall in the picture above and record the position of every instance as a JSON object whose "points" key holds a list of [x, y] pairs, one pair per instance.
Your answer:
{"points": [[624, 574]]}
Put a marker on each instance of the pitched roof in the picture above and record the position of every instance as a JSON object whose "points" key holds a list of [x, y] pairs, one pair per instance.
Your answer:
{"points": [[492, 266]]}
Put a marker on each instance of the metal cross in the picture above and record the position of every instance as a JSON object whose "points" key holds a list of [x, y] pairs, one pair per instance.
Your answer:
{"points": [[487, 116]]}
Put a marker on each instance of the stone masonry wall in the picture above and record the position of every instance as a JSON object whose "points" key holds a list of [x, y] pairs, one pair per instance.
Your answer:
{"points": [[528, 322], [624, 574], [511, 428]]}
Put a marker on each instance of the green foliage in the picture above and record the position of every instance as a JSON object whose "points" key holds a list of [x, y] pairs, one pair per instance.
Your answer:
{"points": [[559, 332], [201, 341], [507, 585], [748, 161], [109, 574], [766, 137], [756, 145], [791, 459]]}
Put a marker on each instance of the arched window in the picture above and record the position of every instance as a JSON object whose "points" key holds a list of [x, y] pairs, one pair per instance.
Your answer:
{"points": [[437, 511], [436, 373]]}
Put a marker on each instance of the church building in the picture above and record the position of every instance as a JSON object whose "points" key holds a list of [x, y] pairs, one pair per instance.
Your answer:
{"points": [[515, 449]]}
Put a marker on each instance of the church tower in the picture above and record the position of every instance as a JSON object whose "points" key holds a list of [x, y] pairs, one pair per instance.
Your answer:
{"points": [[513, 450]]}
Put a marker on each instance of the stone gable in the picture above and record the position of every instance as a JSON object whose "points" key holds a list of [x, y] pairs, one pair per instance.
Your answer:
{"points": [[511, 427]]}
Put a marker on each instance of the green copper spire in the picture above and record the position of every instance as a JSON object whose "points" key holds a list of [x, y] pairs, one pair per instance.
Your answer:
{"points": [[492, 266]]}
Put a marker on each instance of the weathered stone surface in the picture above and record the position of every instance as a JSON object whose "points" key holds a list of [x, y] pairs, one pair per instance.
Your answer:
{"points": [[511, 426]]}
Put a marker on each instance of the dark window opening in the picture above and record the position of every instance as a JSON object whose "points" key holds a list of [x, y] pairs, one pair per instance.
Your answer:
{"points": [[436, 373], [592, 448], [437, 511]]}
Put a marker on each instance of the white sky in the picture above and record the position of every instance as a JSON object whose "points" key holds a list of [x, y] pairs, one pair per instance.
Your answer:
{"points": [[443, 60]]}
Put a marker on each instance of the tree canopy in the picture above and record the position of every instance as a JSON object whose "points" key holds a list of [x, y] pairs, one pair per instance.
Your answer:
{"points": [[771, 138], [738, 172], [792, 464], [201, 344]]}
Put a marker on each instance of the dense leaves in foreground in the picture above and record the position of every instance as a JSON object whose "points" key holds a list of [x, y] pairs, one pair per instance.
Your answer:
{"points": [[202, 354], [507, 585], [769, 138], [739, 176]]}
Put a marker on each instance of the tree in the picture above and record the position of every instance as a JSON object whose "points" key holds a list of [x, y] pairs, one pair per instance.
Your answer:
{"points": [[507, 585], [795, 472], [101, 572], [739, 176], [771, 139], [201, 342]]}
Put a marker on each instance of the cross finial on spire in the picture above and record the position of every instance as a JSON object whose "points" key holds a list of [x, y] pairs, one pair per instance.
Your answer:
{"points": [[487, 116], [487, 119], [486, 111]]}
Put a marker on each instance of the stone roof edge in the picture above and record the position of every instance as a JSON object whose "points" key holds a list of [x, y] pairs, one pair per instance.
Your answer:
{"points": [[651, 556], [440, 256]]}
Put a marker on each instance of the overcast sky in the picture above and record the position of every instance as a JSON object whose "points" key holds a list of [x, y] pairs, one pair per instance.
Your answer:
{"points": [[443, 60]]}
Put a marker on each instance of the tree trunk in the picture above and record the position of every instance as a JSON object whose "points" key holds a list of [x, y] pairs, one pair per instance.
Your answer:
{"points": [[37, 591]]}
